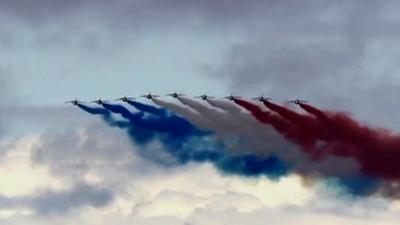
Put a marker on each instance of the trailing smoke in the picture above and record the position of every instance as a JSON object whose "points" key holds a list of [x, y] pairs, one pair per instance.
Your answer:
{"points": [[322, 134], [377, 150], [186, 112], [187, 143], [269, 139]]}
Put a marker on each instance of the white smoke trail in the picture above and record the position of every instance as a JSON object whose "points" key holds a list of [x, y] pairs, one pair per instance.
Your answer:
{"points": [[224, 124], [194, 117]]}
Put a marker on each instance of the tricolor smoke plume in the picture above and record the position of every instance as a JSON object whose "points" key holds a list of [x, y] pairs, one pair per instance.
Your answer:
{"points": [[195, 146], [262, 140], [323, 134], [299, 161], [273, 140]]}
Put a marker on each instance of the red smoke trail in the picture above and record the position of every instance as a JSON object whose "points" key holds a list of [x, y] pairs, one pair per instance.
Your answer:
{"points": [[308, 131], [377, 150], [341, 127], [308, 126], [291, 131], [278, 123], [321, 116]]}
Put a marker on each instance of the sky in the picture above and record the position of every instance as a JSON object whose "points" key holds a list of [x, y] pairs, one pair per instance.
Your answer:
{"points": [[60, 165]]}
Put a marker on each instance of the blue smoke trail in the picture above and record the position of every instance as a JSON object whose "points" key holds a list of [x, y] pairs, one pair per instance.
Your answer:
{"points": [[106, 115], [244, 164], [94, 110], [168, 123], [138, 135], [148, 108]]}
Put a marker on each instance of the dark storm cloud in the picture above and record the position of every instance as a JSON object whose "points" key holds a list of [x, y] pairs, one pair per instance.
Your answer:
{"points": [[306, 47], [219, 9], [138, 15], [51, 202], [337, 55]]}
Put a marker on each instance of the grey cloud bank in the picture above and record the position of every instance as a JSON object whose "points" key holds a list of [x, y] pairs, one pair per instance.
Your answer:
{"points": [[50, 202], [336, 54], [341, 55]]}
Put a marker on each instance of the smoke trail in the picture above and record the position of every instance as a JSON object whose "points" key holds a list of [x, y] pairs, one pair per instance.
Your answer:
{"points": [[201, 148], [298, 156], [309, 130], [246, 122], [147, 108], [234, 142], [262, 140], [377, 150], [316, 112], [137, 134], [224, 105], [186, 112], [94, 110], [106, 115], [222, 123], [281, 125], [165, 122], [303, 130], [235, 128], [263, 137]]}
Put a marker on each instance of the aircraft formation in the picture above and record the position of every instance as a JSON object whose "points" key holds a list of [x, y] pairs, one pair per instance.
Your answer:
{"points": [[303, 140], [203, 97]]}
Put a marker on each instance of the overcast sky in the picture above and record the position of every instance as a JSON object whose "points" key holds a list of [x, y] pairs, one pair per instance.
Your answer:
{"points": [[59, 165]]}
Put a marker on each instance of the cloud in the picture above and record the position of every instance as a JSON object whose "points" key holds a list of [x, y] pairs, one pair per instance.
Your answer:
{"points": [[76, 154], [82, 195], [50, 202], [7, 96], [182, 205], [338, 55], [117, 187], [147, 12], [314, 44], [327, 214]]}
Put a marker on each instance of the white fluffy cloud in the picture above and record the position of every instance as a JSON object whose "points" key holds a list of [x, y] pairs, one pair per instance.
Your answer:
{"points": [[144, 193]]}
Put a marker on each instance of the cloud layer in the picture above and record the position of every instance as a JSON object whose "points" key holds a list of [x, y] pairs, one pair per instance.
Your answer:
{"points": [[341, 54]]}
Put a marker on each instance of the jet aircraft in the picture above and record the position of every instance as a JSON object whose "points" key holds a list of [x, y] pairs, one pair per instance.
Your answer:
{"points": [[175, 95], [73, 102], [124, 99], [261, 98], [149, 96], [204, 97], [297, 101]]}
